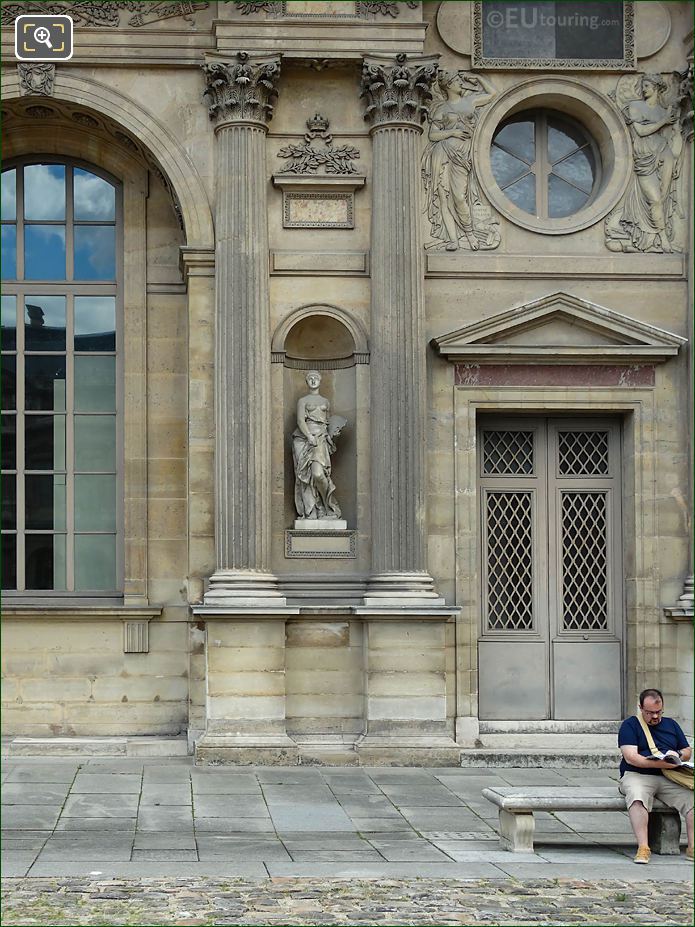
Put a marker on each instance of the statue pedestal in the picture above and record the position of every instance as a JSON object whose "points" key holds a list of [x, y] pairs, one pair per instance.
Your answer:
{"points": [[320, 524]]}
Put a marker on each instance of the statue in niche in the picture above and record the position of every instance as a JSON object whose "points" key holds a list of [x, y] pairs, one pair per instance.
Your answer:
{"points": [[313, 442], [650, 217], [458, 214]]}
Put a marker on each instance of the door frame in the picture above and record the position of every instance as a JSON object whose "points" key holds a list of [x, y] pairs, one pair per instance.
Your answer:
{"points": [[637, 407], [545, 487]]}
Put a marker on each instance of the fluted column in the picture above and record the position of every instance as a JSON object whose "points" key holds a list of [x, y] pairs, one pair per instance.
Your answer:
{"points": [[396, 91], [239, 94]]}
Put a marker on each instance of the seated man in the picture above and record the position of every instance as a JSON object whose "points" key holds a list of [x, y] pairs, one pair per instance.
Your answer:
{"points": [[641, 778]]}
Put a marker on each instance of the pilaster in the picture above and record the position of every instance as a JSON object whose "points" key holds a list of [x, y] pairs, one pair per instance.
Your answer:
{"points": [[239, 95], [396, 92]]}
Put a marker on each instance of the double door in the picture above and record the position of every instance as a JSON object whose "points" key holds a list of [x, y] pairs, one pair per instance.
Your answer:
{"points": [[551, 569]]}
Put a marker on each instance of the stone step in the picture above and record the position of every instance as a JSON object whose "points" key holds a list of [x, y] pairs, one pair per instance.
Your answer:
{"points": [[532, 758], [541, 740], [96, 746]]}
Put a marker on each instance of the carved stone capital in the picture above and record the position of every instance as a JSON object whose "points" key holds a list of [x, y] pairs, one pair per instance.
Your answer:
{"points": [[397, 90], [242, 90]]}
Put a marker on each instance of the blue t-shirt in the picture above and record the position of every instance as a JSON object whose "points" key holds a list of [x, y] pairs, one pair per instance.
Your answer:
{"points": [[667, 735]]}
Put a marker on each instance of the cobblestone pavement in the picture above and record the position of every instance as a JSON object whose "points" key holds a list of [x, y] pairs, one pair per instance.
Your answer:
{"points": [[313, 901]]}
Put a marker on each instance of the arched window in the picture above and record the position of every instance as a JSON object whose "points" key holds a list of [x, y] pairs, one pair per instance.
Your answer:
{"points": [[61, 444]]}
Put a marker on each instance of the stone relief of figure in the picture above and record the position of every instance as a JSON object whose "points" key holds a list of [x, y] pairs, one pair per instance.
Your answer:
{"points": [[651, 215], [458, 214], [313, 442]]}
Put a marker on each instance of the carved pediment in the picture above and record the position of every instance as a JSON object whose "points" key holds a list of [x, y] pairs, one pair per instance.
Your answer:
{"points": [[558, 329]]}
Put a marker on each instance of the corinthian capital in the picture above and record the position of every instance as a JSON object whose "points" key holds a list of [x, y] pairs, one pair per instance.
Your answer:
{"points": [[241, 90], [397, 89]]}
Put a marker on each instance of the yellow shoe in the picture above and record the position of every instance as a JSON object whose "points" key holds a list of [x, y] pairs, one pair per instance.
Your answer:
{"points": [[643, 855], [689, 853]]}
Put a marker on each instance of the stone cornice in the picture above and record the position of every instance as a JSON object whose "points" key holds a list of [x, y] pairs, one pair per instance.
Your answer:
{"points": [[241, 90], [397, 90]]}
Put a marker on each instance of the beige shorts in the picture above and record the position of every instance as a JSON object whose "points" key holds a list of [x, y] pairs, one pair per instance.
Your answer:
{"points": [[638, 787]]}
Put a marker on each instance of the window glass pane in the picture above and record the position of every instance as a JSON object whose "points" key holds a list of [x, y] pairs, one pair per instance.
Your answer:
{"points": [[44, 439], [44, 191], [9, 381], [8, 323], [563, 138], [9, 194], [505, 167], [95, 252], [9, 501], [9, 252], [9, 442], [44, 323], [518, 137], [44, 382], [563, 200], [9, 561], [95, 323], [95, 384], [95, 503], [44, 252], [95, 442], [94, 198], [523, 193], [45, 561], [579, 169], [45, 502], [95, 562]]}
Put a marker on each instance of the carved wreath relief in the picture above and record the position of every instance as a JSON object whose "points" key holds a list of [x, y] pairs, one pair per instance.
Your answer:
{"points": [[459, 215], [651, 216], [308, 159]]}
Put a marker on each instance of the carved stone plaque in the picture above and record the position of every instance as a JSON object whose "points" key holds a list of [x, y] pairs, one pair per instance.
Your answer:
{"points": [[318, 210], [320, 545]]}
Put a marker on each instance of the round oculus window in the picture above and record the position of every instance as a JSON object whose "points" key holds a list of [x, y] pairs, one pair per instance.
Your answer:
{"points": [[545, 163]]}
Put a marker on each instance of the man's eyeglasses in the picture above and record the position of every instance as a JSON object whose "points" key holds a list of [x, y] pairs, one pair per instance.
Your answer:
{"points": [[654, 713]]}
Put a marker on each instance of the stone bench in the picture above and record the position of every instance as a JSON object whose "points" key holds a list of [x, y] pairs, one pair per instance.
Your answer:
{"points": [[517, 805]]}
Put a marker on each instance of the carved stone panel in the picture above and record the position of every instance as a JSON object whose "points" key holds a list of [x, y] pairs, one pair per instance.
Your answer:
{"points": [[657, 110], [459, 215], [36, 78]]}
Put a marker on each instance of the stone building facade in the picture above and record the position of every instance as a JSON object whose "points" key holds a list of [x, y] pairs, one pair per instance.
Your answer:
{"points": [[473, 221]]}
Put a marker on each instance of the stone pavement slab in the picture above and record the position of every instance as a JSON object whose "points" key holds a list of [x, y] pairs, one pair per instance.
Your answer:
{"points": [[137, 819]]}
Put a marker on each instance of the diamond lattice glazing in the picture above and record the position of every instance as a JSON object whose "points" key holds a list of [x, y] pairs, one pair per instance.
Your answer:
{"points": [[583, 453], [584, 561], [507, 453], [509, 561]]}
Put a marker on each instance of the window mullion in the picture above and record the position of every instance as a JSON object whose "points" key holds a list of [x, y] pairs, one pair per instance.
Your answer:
{"points": [[542, 169], [21, 444], [70, 443], [69, 226], [19, 215]]}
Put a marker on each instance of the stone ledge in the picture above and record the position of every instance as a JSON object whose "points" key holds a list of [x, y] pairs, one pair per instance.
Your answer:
{"points": [[534, 759], [81, 612], [143, 746]]}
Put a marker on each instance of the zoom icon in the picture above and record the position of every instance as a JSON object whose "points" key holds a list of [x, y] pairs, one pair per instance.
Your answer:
{"points": [[43, 38]]}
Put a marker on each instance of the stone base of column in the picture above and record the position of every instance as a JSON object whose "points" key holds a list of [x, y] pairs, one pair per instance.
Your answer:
{"points": [[401, 589], [244, 588], [683, 609], [408, 750], [467, 731], [246, 750]]}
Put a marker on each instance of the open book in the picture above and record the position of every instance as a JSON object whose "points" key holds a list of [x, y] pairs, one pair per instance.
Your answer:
{"points": [[670, 758]]}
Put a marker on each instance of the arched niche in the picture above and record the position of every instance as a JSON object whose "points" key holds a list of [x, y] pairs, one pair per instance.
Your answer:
{"points": [[328, 339]]}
